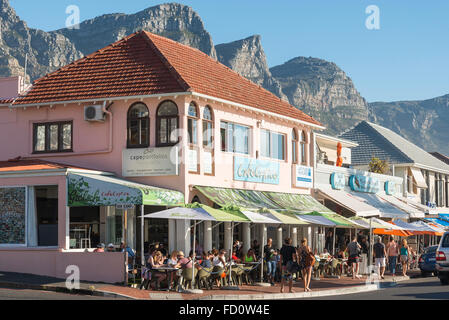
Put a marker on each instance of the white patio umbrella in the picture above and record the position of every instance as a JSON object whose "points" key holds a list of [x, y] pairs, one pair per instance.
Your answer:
{"points": [[201, 213]]}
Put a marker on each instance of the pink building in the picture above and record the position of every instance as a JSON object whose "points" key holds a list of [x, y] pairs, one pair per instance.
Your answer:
{"points": [[149, 122]]}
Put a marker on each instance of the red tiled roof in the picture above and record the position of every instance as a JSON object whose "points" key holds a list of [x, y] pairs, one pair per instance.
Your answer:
{"points": [[6, 101], [33, 165], [143, 64]]}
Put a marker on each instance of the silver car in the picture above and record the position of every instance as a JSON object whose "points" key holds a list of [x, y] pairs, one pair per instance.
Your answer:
{"points": [[442, 259]]}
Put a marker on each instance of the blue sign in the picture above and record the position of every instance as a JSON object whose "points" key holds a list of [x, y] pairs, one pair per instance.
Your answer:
{"points": [[254, 170], [338, 181], [304, 177], [364, 184], [390, 188]]}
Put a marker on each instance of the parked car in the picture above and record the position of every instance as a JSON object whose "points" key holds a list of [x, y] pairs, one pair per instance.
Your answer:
{"points": [[442, 259], [427, 261]]}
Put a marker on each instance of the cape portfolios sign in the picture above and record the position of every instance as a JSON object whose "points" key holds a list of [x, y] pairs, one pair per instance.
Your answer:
{"points": [[366, 184], [255, 170], [151, 162]]}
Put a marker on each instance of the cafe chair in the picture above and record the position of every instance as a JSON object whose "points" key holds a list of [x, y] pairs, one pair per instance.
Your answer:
{"points": [[187, 276], [204, 277]]}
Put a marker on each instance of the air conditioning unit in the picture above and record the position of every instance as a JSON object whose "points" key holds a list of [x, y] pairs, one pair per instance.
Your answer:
{"points": [[94, 113]]}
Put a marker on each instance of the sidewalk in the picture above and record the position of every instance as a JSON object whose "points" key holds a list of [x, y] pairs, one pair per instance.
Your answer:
{"points": [[323, 287]]}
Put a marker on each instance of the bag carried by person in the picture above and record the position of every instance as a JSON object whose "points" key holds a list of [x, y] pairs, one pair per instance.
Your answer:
{"points": [[292, 267], [310, 259]]}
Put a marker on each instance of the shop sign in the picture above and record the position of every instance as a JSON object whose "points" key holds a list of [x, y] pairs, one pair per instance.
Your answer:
{"points": [[303, 177], [125, 207], [255, 170], [151, 162], [338, 181], [390, 188], [365, 184]]}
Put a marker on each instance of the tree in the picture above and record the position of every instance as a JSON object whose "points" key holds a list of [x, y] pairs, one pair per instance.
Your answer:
{"points": [[379, 166]]}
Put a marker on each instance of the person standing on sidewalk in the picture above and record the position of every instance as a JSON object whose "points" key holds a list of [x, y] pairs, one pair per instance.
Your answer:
{"points": [[392, 252], [354, 250], [379, 254], [405, 254], [287, 254], [306, 262], [270, 258]]}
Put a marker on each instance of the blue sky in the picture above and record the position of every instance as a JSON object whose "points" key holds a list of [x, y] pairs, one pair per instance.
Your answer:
{"points": [[406, 59]]}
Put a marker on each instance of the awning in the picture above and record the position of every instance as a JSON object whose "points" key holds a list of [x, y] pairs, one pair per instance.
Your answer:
{"points": [[413, 212], [440, 222], [261, 217], [419, 206], [255, 200], [248, 199], [386, 209], [413, 228], [98, 190], [338, 220], [288, 218], [444, 216], [367, 223], [182, 213], [345, 199], [432, 229], [419, 178], [317, 220], [301, 203]]}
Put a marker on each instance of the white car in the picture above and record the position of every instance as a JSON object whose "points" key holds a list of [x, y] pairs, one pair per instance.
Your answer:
{"points": [[442, 259]]}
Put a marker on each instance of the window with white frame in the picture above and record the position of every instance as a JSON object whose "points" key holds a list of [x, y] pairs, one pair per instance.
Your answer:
{"points": [[272, 145], [235, 137]]}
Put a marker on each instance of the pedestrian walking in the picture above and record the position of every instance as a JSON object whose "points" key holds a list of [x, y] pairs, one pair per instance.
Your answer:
{"points": [[288, 252], [354, 250], [379, 254], [392, 252], [405, 254], [306, 262]]}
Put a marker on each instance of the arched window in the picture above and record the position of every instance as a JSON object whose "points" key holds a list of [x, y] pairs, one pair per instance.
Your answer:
{"points": [[192, 124], [208, 128], [294, 147], [167, 124], [303, 149], [138, 126]]}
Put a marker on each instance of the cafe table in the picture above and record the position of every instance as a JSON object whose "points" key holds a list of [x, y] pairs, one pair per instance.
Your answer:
{"points": [[167, 270]]}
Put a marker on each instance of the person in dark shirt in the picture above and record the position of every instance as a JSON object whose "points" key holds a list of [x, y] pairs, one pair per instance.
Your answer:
{"points": [[288, 252], [270, 258], [380, 253]]}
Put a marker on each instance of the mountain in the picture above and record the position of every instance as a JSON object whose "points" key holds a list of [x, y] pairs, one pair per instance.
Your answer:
{"points": [[172, 20], [322, 90], [46, 52], [425, 123], [248, 58]]}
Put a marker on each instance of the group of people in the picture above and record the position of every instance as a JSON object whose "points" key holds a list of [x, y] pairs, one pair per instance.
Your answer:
{"points": [[390, 254]]}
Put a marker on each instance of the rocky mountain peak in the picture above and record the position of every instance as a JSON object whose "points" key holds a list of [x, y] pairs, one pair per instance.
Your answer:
{"points": [[247, 57], [172, 20]]}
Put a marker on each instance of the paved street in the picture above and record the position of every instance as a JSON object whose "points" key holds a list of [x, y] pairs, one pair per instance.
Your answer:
{"points": [[414, 289], [20, 294]]}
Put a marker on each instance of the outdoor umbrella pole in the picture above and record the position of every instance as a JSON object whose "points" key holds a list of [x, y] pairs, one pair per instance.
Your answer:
{"points": [[261, 255], [125, 242], [230, 255], [333, 242], [370, 242], [194, 253], [142, 236]]}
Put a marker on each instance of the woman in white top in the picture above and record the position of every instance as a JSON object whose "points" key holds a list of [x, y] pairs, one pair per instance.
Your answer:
{"points": [[219, 262]]}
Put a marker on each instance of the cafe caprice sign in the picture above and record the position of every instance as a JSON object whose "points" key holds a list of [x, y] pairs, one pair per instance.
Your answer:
{"points": [[151, 162], [255, 170]]}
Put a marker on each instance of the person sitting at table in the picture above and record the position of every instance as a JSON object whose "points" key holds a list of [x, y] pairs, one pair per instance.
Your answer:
{"points": [[206, 261], [111, 248], [183, 262], [219, 262], [173, 263], [249, 256], [100, 248], [155, 262], [256, 247], [326, 255], [235, 258]]}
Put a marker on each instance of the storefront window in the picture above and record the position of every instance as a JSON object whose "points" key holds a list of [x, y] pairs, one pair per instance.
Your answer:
{"points": [[12, 216], [192, 124], [272, 145], [138, 126], [167, 124], [52, 137], [208, 128], [84, 227], [234, 138]]}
